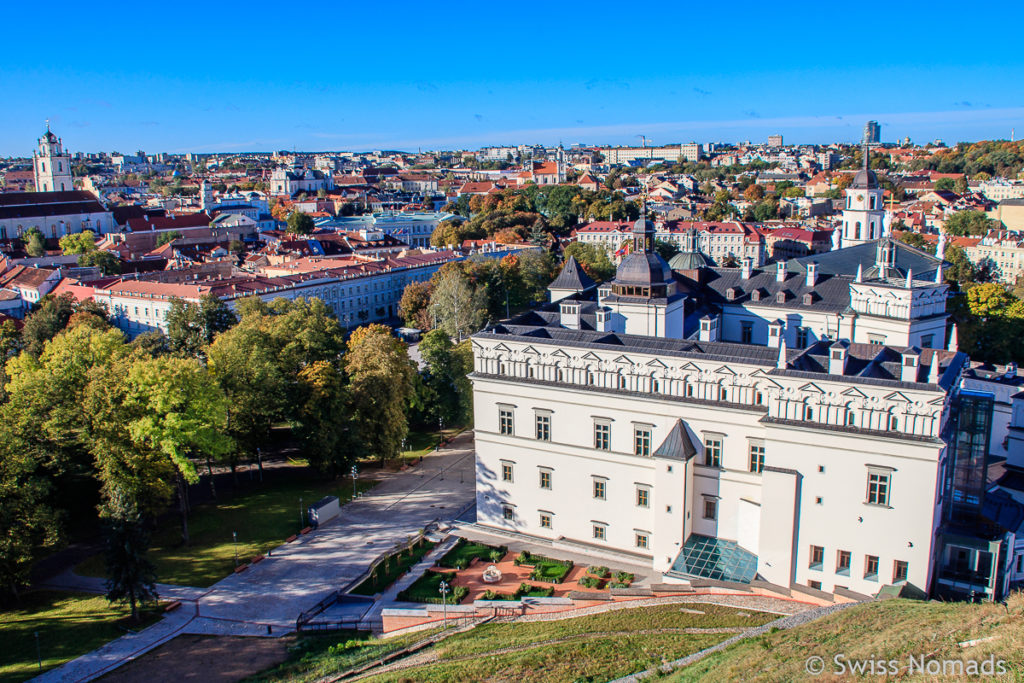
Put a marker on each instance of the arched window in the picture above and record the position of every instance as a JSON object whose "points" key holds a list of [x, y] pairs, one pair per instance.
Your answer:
{"points": [[590, 377], [851, 416], [808, 411], [689, 390], [655, 384], [622, 381], [872, 201], [892, 423], [42, 166]]}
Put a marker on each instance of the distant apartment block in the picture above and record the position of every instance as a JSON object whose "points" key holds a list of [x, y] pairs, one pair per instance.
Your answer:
{"points": [[623, 155]]}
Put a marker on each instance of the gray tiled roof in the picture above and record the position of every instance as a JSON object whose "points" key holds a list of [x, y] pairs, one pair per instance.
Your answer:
{"points": [[846, 260], [572, 277], [829, 293]]}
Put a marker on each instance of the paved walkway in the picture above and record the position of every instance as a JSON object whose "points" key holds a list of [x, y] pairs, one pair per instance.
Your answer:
{"points": [[297, 575]]}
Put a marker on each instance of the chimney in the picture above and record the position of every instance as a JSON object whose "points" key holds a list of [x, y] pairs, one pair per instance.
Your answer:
{"points": [[909, 366], [812, 274], [709, 328], [747, 268], [933, 370], [838, 354], [780, 271], [775, 331], [781, 362], [604, 320]]}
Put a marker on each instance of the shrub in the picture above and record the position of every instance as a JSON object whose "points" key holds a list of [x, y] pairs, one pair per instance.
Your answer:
{"points": [[496, 555], [624, 577], [598, 571], [591, 582], [618, 584], [522, 558]]}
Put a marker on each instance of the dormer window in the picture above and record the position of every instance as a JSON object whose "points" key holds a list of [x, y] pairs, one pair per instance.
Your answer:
{"points": [[780, 298], [808, 299], [732, 293]]}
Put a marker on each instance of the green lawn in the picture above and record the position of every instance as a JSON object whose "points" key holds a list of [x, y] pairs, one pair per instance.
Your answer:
{"points": [[550, 571], [262, 517], [427, 588], [419, 443], [68, 624], [884, 630], [388, 571], [460, 556]]}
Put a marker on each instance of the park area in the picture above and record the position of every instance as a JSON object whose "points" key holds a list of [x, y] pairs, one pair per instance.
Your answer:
{"points": [[51, 627]]}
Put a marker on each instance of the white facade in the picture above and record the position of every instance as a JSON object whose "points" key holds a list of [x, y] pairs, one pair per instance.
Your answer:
{"points": [[52, 165], [863, 215], [822, 441]]}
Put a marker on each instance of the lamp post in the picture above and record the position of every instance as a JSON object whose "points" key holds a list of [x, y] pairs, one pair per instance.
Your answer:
{"points": [[234, 542], [355, 475], [302, 517], [444, 600]]}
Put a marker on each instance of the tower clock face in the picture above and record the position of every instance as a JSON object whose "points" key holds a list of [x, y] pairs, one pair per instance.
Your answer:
{"points": [[860, 198]]}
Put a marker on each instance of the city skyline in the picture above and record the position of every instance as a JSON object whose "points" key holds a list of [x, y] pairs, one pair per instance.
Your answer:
{"points": [[406, 83]]}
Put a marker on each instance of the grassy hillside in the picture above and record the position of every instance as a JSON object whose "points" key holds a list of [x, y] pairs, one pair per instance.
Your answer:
{"points": [[593, 648], [887, 630]]}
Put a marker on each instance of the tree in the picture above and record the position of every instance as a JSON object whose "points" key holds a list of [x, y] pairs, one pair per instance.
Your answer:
{"points": [[300, 223], [167, 237], [961, 270], [964, 223], [667, 250], [960, 186], [106, 261], [991, 323], [182, 413], [914, 239], [26, 516], [78, 243], [754, 193], [131, 577], [446, 375], [414, 304], [594, 259], [324, 421], [191, 327], [944, 185], [458, 309], [35, 244], [380, 385]]}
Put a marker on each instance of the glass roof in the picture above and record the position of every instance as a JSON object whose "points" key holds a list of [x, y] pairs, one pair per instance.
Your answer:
{"points": [[714, 558]]}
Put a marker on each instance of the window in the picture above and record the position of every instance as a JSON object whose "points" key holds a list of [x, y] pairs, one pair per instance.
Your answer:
{"points": [[545, 479], [713, 452], [710, 508], [602, 436], [843, 559], [851, 417], [879, 486], [1020, 563], [817, 556], [927, 340], [900, 571], [892, 424], [642, 440], [643, 540], [600, 532], [747, 332], [871, 567], [506, 471], [622, 381], [801, 337], [505, 421], [643, 497], [545, 520], [508, 513], [600, 489], [816, 585], [544, 426], [818, 500], [756, 456], [876, 338]]}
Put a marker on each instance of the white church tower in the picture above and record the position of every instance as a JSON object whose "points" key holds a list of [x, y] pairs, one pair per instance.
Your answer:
{"points": [[863, 214], [52, 166]]}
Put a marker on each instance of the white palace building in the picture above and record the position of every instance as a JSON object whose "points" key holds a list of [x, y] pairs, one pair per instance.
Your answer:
{"points": [[803, 426]]}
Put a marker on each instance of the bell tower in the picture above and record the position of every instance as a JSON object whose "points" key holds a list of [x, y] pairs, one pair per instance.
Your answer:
{"points": [[863, 213], [51, 165]]}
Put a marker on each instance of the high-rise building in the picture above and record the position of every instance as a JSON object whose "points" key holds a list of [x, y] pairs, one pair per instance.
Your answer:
{"points": [[872, 132], [775, 141]]}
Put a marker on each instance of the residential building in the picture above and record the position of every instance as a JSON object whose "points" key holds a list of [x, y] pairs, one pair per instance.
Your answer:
{"points": [[775, 141], [412, 227], [1002, 253], [872, 133], [999, 189]]}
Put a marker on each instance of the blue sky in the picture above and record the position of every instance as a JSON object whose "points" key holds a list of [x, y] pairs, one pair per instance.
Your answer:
{"points": [[216, 77]]}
